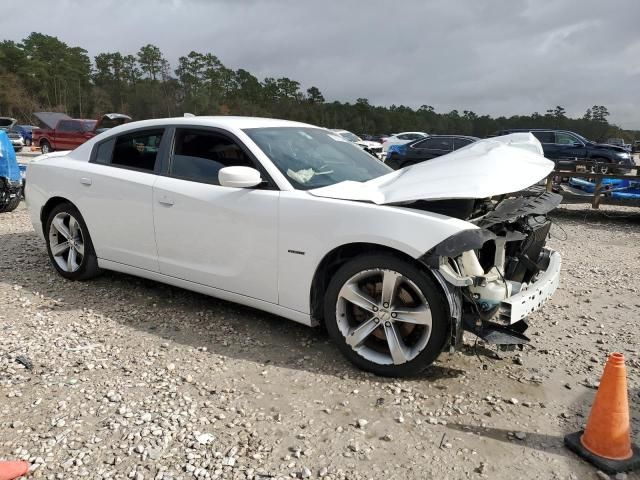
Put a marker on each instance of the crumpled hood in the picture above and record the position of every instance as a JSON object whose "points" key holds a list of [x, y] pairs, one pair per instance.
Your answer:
{"points": [[493, 166]]}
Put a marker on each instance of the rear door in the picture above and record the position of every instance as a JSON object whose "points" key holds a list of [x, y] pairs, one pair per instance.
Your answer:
{"points": [[218, 236], [117, 193]]}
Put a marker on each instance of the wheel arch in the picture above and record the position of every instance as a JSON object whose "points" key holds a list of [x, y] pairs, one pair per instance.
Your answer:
{"points": [[337, 257], [49, 205]]}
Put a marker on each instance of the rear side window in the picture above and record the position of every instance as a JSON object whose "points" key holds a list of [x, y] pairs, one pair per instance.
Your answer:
{"points": [[461, 142], [199, 155], [545, 137], [136, 150], [421, 144], [565, 139], [105, 149], [439, 144]]}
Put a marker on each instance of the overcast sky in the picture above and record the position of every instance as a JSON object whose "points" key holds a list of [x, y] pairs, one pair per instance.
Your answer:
{"points": [[498, 57]]}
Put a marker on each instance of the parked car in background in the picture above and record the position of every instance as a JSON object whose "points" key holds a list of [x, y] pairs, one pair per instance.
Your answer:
{"points": [[374, 138], [62, 132], [10, 178], [636, 146], [374, 148], [14, 137], [565, 147], [400, 156], [7, 122], [289, 218], [401, 138], [27, 133]]}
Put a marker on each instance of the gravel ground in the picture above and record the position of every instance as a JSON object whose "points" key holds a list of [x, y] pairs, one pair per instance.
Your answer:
{"points": [[127, 378]]}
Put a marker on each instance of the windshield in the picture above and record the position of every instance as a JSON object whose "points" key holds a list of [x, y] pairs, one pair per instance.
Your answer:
{"points": [[313, 157]]}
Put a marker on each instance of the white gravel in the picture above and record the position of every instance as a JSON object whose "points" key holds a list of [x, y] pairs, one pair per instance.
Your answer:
{"points": [[126, 378]]}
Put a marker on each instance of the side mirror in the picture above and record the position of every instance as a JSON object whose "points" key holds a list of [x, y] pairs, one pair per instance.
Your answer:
{"points": [[577, 144], [239, 177]]}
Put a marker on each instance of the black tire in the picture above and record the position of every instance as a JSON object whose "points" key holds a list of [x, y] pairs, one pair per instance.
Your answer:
{"points": [[45, 147], [18, 149], [88, 266], [7, 204], [11, 205], [432, 292], [27, 142]]}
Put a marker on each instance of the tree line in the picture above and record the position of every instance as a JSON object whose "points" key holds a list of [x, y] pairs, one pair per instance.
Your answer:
{"points": [[43, 73]]}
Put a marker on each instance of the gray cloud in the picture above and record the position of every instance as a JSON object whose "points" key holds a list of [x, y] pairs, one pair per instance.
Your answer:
{"points": [[499, 57]]}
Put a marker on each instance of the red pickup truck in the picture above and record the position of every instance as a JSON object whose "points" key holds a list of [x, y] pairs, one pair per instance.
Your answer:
{"points": [[62, 132]]}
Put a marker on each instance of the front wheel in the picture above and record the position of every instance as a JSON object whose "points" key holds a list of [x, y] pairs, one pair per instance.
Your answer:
{"points": [[386, 315], [69, 244]]}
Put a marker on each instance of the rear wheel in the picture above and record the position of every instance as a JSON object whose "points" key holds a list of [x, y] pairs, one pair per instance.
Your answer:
{"points": [[386, 315], [69, 244], [45, 146], [27, 142]]}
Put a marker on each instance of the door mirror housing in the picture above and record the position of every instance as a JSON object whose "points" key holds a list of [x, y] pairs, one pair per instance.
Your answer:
{"points": [[239, 177], [578, 144]]}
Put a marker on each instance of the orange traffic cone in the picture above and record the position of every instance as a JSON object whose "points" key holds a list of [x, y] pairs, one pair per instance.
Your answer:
{"points": [[606, 441], [13, 469]]}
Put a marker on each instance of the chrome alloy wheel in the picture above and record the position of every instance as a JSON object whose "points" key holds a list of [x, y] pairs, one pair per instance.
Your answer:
{"points": [[384, 316], [66, 242]]}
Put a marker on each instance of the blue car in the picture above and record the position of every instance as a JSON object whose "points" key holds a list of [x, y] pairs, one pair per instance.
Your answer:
{"points": [[27, 133], [11, 180]]}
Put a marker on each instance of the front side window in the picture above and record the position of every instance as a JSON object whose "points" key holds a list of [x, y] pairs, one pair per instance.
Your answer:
{"points": [[137, 150], [313, 157], [565, 139], [199, 155]]}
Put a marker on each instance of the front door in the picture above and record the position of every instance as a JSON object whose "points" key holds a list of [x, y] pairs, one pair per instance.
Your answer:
{"points": [[222, 237]]}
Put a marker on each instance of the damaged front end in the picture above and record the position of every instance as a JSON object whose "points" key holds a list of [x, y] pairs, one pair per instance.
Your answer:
{"points": [[501, 270]]}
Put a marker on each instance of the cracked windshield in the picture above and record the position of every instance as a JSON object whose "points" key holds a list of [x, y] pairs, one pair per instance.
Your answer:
{"points": [[313, 158]]}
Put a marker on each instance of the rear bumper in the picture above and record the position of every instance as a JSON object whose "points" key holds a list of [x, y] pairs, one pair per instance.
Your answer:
{"points": [[523, 303]]}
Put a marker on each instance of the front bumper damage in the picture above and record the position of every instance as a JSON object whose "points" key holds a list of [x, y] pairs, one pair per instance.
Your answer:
{"points": [[501, 272], [534, 296]]}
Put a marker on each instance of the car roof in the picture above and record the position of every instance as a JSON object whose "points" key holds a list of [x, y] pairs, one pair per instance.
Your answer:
{"points": [[469, 137], [220, 120]]}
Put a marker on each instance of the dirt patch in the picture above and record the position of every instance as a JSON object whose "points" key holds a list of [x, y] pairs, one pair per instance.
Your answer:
{"points": [[130, 378]]}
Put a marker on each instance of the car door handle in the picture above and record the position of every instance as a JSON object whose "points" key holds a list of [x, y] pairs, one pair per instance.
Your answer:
{"points": [[166, 201], [85, 181]]}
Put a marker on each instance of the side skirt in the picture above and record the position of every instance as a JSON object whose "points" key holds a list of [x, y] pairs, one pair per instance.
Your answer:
{"points": [[285, 312]]}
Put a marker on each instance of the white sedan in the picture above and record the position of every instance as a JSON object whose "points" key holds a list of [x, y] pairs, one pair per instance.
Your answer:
{"points": [[401, 139], [294, 220]]}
